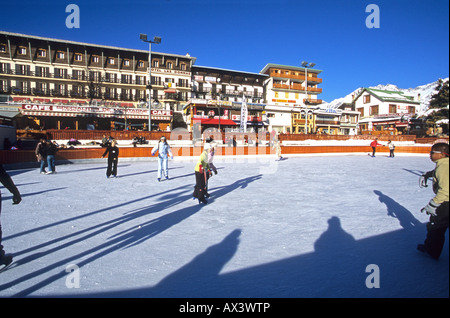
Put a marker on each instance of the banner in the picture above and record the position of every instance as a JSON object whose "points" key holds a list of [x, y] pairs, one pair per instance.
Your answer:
{"points": [[244, 114]]}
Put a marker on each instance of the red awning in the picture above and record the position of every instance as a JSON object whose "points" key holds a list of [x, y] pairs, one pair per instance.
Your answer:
{"points": [[215, 121]]}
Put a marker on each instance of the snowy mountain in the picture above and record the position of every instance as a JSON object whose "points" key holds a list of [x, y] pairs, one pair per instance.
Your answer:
{"points": [[426, 92]]}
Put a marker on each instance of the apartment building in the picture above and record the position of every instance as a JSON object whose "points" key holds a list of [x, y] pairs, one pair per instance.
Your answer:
{"points": [[218, 95], [65, 84], [291, 95]]}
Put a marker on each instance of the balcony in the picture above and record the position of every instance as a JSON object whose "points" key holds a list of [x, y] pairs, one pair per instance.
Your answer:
{"points": [[313, 78], [297, 87]]}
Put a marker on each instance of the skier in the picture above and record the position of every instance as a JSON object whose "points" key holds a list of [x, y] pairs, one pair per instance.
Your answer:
{"points": [[201, 169], [113, 157], [374, 145], [164, 151], [8, 183], [438, 206]]}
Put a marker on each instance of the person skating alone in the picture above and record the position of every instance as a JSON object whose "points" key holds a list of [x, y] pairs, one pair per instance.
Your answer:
{"points": [[41, 155], [438, 206], [8, 183], [212, 167], [113, 157], [164, 152]]}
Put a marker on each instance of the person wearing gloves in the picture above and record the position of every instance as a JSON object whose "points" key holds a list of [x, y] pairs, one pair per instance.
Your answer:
{"points": [[164, 152], [438, 206], [201, 169], [8, 183]]}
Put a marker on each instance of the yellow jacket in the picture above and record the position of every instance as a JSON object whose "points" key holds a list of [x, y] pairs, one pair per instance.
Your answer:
{"points": [[440, 181], [202, 162]]}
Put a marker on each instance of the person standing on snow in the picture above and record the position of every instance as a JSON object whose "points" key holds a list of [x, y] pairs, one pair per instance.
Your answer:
{"points": [[438, 206], [391, 148], [8, 183], [374, 145], [164, 151], [113, 157]]}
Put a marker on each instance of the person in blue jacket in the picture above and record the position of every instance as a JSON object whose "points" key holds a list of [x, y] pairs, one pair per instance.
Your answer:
{"points": [[164, 152]]}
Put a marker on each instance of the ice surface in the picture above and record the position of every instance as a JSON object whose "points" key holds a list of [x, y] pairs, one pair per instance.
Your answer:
{"points": [[307, 226]]}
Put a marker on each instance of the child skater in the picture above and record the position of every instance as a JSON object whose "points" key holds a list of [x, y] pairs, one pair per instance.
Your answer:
{"points": [[438, 206], [201, 169], [113, 157], [164, 151], [212, 167]]}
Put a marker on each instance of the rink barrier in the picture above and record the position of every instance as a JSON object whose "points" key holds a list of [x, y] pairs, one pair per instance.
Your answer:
{"points": [[28, 156]]}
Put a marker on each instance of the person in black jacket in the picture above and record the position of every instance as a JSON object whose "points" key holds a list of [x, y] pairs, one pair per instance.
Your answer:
{"points": [[5, 179], [113, 156]]}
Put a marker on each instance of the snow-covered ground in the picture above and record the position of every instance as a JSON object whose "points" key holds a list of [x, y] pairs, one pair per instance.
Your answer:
{"points": [[308, 226]]}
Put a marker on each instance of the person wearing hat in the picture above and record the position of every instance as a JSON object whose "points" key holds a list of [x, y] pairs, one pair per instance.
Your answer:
{"points": [[164, 152]]}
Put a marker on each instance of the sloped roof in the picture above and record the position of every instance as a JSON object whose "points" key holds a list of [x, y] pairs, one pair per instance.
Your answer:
{"points": [[389, 96]]}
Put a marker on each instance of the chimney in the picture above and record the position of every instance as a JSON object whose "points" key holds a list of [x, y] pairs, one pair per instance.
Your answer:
{"points": [[418, 97]]}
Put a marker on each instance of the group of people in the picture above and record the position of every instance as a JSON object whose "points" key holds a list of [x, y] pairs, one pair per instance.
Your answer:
{"points": [[45, 153], [375, 143], [437, 208]]}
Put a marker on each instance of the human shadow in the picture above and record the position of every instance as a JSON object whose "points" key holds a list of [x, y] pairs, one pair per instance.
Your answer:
{"points": [[134, 235], [396, 210]]}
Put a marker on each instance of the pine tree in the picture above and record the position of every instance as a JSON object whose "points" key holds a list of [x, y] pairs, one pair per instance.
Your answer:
{"points": [[439, 101]]}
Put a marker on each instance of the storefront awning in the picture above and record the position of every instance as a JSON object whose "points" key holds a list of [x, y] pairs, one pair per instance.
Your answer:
{"points": [[215, 121]]}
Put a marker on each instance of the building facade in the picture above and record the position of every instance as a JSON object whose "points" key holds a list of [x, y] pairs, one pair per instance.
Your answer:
{"points": [[64, 84], [291, 95], [383, 110], [217, 99]]}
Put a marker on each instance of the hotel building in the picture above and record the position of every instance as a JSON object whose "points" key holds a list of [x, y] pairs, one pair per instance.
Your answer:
{"points": [[64, 84]]}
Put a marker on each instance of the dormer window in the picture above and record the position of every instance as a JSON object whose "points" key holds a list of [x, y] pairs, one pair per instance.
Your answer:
{"points": [[60, 55]]}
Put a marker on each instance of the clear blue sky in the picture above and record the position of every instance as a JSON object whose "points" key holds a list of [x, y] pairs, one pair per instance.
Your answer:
{"points": [[410, 48]]}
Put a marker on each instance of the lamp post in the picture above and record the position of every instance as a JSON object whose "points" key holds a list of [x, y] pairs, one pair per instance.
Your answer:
{"points": [[306, 65], [156, 40]]}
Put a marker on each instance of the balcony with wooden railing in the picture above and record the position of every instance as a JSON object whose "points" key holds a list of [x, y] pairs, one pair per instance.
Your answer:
{"points": [[297, 87], [312, 78]]}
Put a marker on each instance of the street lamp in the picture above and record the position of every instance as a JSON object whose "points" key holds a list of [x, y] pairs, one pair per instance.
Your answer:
{"points": [[156, 40], [306, 65]]}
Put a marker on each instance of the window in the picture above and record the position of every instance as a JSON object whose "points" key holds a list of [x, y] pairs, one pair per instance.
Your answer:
{"points": [[111, 61], [366, 99], [141, 64], [169, 65], [78, 57], [22, 50], [155, 63], [392, 108], [183, 67], [95, 59], [2, 48], [361, 110], [42, 53], [126, 62], [411, 109], [373, 110], [60, 55]]}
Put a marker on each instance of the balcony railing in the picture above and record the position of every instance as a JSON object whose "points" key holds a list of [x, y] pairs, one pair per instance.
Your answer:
{"points": [[297, 77], [297, 87]]}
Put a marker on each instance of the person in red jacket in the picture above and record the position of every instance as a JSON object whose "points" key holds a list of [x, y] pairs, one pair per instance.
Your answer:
{"points": [[374, 145]]}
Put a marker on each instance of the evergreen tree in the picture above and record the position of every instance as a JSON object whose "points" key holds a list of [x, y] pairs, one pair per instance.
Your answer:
{"points": [[439, 101]]}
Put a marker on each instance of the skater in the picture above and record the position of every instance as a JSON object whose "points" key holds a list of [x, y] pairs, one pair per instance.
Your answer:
{"points": [[277, 147], [113, 157], [438, 206], [201, 169], [391, 148], [212, 168], [8, 183], [164, 151], [374, 145], [52, 148], [41, 154]]}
